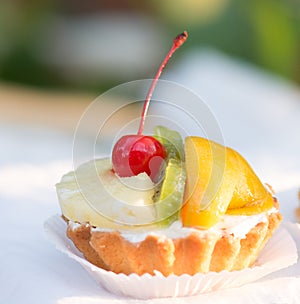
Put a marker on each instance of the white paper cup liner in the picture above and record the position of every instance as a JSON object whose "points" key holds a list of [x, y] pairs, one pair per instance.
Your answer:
{"points": [[280, 252]]}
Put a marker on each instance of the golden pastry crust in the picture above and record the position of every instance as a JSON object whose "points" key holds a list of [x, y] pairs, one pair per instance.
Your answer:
{"points": [[191, 254]]}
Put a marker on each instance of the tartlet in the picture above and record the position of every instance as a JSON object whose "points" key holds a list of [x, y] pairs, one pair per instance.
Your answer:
{"points": [[164, 206], [232, 242]]}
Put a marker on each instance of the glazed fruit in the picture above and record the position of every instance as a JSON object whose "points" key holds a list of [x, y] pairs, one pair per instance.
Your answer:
{"points": [[85, 197], [171, 140], [211, 180], [250, 196], [171, 193], [219, 181], [134, 154]]}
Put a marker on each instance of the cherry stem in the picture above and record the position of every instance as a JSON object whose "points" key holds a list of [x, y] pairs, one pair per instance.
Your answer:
{"points": [[177, 43]]}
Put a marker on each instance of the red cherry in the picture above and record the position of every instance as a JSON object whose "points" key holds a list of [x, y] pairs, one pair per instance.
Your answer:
{"points": [[134, 154]]}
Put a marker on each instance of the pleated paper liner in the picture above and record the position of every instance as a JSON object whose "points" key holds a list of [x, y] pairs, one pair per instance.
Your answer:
{"points": [[280, 252]]}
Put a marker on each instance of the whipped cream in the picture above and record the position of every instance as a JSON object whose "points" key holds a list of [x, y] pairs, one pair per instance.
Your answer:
{"points": [[236, 225]]}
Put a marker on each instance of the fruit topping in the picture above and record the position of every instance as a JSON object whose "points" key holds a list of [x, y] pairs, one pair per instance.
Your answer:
{"points": [[134, 154], [172, 142], [170, 196], [211, 179], [219, 181], [107, 201], [250, 196]]}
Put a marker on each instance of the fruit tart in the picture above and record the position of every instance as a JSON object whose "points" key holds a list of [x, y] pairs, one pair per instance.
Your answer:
{"points": [[160, 203]]}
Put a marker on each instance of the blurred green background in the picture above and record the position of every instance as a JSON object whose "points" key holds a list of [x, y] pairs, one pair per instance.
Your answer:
{"points": [[92, 45]]}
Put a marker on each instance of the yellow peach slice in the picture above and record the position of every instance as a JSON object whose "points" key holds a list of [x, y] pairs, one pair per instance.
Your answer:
{"points": [[211, 178], [250, 195], [219, 180]]}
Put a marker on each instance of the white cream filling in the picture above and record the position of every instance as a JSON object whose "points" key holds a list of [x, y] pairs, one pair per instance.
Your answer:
{"points": [[236, 225]]}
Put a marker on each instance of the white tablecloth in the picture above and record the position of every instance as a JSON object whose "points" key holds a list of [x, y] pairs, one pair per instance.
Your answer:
{"points": [[259, 115]]}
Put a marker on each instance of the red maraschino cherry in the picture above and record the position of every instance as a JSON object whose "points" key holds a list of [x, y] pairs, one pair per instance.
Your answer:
{"points": [[137, 153]]}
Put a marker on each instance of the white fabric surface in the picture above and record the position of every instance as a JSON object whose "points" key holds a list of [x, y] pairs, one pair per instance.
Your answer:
{"points": [[259, 115]]}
